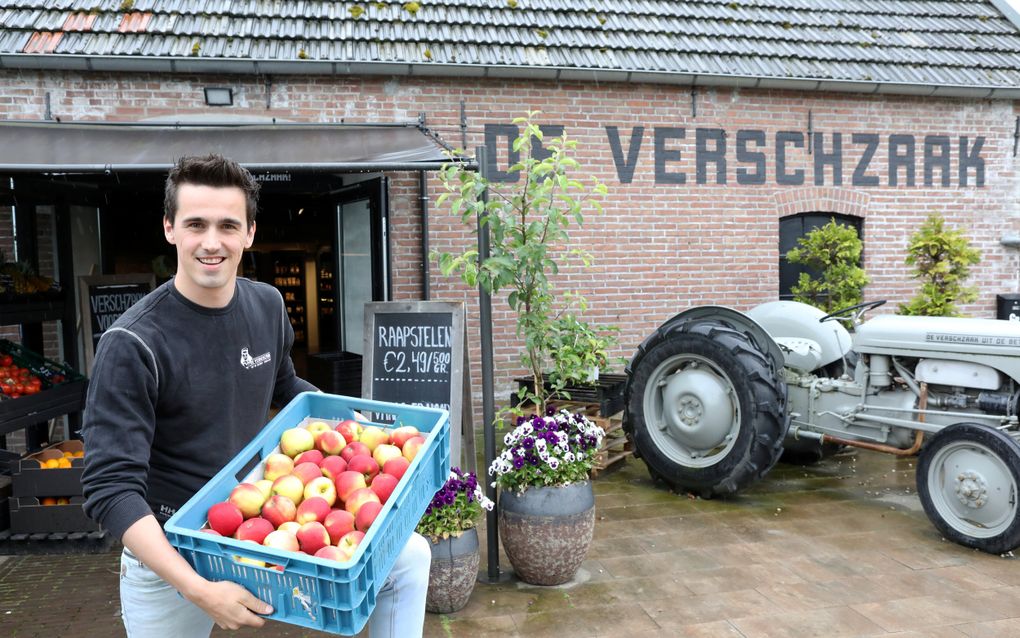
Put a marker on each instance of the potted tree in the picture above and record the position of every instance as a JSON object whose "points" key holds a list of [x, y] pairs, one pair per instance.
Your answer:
{"points": [[528, 223]]}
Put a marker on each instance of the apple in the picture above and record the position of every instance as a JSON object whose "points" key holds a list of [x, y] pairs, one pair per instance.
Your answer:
{"points": [[347, 482], [338, 523], [250, 561], [291, 487], [374, 436], [367, 514], [354, 449], [278, 510], [349, 543], [317, 428], [312, 509], [248, 498], [383, 485], [209, 530], [411, 447], [266, 487], [385, 452], [350, 430], [330, 553], [323, 487], [277, 465], [295, 441], [281, 540], [312, 537], [290, 526], [254, 530], [398, 436], [364, 464], [331, 466], [358, 498], [396, 467], [311, 456], [307, 472], [330, 442], [225, 518]]}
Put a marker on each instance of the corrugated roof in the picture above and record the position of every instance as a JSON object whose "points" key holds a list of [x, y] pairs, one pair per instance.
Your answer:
{"points": [[962, 43]]}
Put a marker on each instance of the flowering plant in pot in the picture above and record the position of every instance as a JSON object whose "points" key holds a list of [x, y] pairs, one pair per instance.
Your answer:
{"points": [[450, 523]]}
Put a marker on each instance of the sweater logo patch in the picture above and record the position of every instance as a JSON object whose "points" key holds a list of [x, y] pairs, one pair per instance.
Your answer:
{"points": [[250, 362]]}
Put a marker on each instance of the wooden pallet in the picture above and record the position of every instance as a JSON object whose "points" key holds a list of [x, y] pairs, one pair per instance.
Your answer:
{"points": [[615, 445]]}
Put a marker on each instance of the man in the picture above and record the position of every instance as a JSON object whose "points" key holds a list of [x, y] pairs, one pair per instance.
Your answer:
{"points": [[171, 401]]}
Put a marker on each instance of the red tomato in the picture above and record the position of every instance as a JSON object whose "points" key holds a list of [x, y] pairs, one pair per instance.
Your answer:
{"points": [[6, 360]]}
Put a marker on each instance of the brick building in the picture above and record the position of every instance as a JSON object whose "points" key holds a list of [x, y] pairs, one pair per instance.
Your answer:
{"points": [[724, 130]]}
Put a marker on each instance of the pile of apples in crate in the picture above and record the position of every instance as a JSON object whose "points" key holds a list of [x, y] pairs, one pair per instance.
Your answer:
{"points": [[321, 492]]}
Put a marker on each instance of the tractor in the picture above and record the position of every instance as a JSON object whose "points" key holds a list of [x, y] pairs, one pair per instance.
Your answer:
{"points": [[715, 396]]}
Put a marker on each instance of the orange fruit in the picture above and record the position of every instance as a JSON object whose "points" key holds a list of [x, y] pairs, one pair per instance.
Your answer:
{"points": [[79, 453], [51, 464], [49, 500], [63, 500], [68, 455], [63, 462]]}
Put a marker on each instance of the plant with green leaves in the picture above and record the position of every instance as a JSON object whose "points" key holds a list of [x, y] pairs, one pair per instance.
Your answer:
{"points": [[941, 259], [834, 252], [528, 224]]}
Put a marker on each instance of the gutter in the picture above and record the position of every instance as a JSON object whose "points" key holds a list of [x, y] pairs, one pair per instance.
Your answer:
{"points": [[166, 64]]}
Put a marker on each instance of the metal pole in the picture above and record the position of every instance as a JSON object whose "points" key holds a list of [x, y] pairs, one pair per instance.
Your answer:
{"points": [[423, 194], [488, 394]]}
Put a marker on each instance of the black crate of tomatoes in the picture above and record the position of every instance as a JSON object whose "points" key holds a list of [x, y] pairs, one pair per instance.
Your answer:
{"points": [[33, 388]]}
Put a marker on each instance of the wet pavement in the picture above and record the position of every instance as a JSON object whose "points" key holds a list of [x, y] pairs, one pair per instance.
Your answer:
{"points": [[841, 548]]}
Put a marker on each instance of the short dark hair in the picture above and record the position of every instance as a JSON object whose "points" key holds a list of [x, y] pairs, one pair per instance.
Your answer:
{"points": [[210, 170]]}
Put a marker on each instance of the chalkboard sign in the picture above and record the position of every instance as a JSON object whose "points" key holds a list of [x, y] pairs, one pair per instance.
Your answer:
{"points": [[104, 298], [414, 354]]}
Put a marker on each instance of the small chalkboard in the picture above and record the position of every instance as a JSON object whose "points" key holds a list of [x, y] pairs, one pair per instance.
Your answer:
{"points": [[104, 298], [414, 354]]}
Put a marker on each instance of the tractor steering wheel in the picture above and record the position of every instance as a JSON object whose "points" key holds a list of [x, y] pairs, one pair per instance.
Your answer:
{"points": [[853, 313]]}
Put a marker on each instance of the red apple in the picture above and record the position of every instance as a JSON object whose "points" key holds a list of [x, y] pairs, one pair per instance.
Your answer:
{"points": [[331, 466], [312, 537], [254, 530], [366, 515], [338, 523], [383, 485], [412, 446], [277, 465], [209, 530], [347, 482], [311, 456], [248, 498], [291, 487], [398, 436], [349, 543], [317, 428], [331, 442], [364, 464], [385, 452], [281, 540], [358, 498], [396, 467], [330, 553], [373, 436], [354, 449], [350, 430], [306, 472], [225, 518], [322, 487], [278, 510], [295, 441], [312, 509]]}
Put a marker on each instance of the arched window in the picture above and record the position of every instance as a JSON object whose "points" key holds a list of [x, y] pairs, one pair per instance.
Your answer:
{"points": [[791, 229]]}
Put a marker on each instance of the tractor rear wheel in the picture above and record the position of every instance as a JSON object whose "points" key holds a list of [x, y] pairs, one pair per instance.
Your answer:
{"points": [[968, 479], [706, 407]]}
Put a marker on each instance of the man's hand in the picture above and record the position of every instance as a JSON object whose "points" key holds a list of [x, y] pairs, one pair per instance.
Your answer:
{"points": [[230, 605]]}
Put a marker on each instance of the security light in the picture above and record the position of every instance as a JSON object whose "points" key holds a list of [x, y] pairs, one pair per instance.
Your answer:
{"points": [[1010, 241], [219, 96]]}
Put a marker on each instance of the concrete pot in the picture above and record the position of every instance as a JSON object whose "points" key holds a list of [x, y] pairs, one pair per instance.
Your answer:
{"points": [[546, 531], [453, 573]]}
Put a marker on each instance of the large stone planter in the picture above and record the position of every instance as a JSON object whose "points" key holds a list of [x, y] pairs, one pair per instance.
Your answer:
{"points": [[453, 573], [546, 531]]}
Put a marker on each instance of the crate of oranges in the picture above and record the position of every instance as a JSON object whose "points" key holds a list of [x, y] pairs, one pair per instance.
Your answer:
{"points": [[54, 471]]}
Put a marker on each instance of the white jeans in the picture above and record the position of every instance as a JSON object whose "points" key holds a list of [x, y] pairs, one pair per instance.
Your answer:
{"points": [[151, 608]]}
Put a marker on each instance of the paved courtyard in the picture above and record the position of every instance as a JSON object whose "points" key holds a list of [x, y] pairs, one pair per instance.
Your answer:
{"points": [[841, 548]]}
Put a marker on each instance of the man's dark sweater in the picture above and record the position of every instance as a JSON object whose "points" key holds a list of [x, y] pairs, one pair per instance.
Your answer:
{"points": [[176, 391]]}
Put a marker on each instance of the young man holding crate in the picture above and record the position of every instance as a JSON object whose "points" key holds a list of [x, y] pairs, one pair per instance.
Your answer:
{"points": [[172, 400]]}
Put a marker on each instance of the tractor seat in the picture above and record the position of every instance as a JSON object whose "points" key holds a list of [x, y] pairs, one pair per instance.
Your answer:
{"points": [[801, 354]]}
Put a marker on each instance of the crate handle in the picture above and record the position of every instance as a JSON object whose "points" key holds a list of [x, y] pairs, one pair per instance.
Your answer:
{"points": [[248, 466]]}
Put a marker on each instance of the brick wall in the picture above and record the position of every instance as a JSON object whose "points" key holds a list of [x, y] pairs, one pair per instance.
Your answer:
{"points": [[660, 246]]}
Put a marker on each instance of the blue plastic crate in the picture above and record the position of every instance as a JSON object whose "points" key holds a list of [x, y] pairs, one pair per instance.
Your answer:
{"points": [[313, 592]]}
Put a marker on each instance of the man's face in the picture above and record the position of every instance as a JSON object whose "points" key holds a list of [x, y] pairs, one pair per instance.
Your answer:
{"points": [[210, 233]]}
